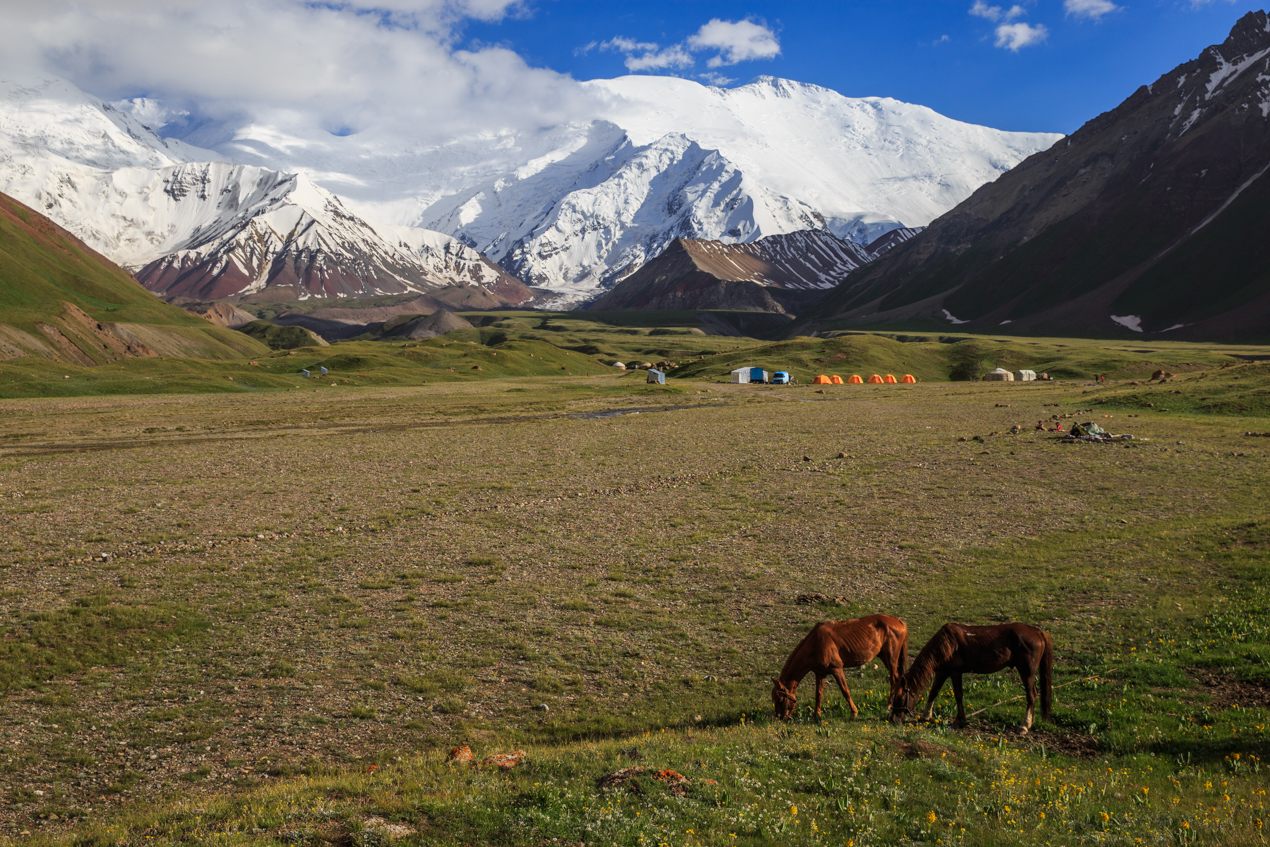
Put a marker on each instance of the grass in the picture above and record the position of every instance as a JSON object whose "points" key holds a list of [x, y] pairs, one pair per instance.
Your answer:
{"points": [[310, 597]]}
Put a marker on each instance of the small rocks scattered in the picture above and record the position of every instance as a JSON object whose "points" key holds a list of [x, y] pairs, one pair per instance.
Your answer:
{"points": [[460, 756], [819, 599], [388, 831]]}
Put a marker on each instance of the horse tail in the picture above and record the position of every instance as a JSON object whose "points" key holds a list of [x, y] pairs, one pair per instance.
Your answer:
{"points": [[1047, 678]]}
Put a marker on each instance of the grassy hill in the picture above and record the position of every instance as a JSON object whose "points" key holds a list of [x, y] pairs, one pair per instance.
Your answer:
{"points": [[963, 357], [60, 301]]}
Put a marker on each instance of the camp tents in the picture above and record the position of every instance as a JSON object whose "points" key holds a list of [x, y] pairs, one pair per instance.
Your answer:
{"points": [[998, 375], [741, 376], [890, 379], [1024, 376], [855, 380], [821, 380], [908, 379], [836, 380], [620, 366], [656, 377], [875, 380]]}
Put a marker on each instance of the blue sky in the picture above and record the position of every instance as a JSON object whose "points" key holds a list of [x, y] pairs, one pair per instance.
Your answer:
{"points": [[423, 71], [937, 54]]}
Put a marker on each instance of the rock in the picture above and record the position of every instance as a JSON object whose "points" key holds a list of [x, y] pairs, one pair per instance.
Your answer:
{"points": [[619, 777], [842, 455], [460, 756], [389, 831], [542, 707], [504, 761], [806, 458]]}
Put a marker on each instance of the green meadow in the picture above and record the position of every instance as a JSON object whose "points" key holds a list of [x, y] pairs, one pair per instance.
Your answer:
{"points": [[263, 610]]}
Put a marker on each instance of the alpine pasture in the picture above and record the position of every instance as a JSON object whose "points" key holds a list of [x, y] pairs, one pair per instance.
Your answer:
{"points": [[265, 616]]}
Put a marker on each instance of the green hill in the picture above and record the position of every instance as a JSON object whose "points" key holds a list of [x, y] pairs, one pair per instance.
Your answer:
{"points": [[63, 302]]}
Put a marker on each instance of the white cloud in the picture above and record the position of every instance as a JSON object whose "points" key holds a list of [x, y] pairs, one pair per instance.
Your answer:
{"points": [[387, 64], [943, 39], [716, 79], [657, 60], [1017, 36], [1092, 9], [996, 14], [736, 41], [731, 41]]}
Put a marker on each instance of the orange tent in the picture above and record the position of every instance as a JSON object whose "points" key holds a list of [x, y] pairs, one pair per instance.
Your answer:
{"points": [[821, 380], [908, 379], [875, 380], [837, 380], [855, 380], [890, 379]]}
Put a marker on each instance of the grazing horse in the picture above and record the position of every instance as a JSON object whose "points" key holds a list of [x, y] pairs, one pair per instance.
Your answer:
{"points": [[958, 649], [834, 645]]}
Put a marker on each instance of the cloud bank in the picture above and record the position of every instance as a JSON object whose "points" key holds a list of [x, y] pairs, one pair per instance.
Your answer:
{"points": [[345, 67]]}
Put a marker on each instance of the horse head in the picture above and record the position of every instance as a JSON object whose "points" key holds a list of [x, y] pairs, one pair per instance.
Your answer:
{"points": [[902, 702], [783, 700]]}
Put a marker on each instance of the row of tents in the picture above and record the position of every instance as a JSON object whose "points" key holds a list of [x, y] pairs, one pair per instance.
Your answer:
{"points": [[855, 379]]}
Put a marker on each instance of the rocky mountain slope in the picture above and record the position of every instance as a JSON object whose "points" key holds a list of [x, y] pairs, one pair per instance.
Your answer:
{"points": [[62, 301], [756, 276], [1152, 219], [197, 228]]}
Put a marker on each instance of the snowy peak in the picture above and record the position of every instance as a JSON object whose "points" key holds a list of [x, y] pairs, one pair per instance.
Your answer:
{"points": [[56, 118], [250, 229]]}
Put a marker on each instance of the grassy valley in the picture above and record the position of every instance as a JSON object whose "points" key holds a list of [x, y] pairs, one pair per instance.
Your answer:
{"points": [[269, 615]]}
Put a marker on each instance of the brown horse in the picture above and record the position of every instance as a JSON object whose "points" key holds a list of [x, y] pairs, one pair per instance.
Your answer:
{"points": [[834, 645], [958, 649]]}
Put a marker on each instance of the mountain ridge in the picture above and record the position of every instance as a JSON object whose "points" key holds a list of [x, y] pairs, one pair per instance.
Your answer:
{"points": [[1148, 219]]}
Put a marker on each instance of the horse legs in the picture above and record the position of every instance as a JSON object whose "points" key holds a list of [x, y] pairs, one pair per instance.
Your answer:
{"points": [[842, 683], [1029, 687], [961, 707], [820, 691], [934, 692]]}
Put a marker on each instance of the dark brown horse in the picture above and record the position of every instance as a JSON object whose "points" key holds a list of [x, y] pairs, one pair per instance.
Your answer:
{"points": [[958, 649], [834, 645]]}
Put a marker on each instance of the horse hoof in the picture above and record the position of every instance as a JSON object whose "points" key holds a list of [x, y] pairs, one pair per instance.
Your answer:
{"points": [[1023, 730]]}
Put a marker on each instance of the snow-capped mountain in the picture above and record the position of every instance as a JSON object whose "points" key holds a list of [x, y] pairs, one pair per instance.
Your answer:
{"points": [[571, 208], [574, 208], [193, 227]]}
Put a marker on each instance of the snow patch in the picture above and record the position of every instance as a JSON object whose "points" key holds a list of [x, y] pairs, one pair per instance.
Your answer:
{"points": [[1003, 323], [951, 319], [1227, 71], [1175, 326], [1132, 322]]}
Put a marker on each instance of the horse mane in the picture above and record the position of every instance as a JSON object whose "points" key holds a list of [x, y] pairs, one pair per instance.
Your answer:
{"points": [[796, 656], [938, 650]]}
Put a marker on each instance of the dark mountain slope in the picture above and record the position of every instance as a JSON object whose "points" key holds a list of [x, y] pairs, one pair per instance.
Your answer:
{"points": [[61, 300], [767, 275], [1152, 217]]}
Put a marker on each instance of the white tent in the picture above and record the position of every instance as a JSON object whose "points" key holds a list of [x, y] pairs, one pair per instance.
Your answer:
{"points": [[1024, 376], [741, 375], [619, 365], [998, 375]]}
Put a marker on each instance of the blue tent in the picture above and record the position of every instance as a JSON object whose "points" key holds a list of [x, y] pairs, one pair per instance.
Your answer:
{"points": [[656, 377]]}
